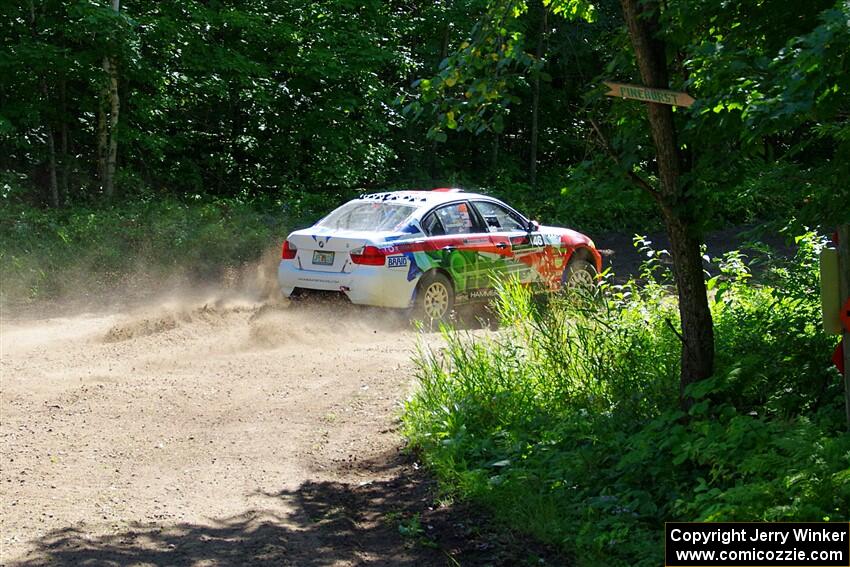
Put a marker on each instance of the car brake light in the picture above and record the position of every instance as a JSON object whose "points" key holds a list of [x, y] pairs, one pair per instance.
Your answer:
{"points": [[369, 256], [288, 251]]}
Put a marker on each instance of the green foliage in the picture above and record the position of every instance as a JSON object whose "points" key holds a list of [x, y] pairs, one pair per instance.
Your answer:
{"points": [[771, 108], [766, 139], [566, 424], [595, 196], [227, 99], [308, 103], [477, 83]]}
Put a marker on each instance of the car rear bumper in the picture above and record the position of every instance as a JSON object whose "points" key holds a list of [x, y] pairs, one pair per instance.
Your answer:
{"points": [[378, 286]]}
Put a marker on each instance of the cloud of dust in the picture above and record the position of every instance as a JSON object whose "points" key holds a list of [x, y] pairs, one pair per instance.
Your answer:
{"points": [[249, 295], [239, 309], [83, 287]]}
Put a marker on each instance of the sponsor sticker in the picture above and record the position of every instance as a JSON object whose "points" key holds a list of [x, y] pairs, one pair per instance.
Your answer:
{"points": [[482, 293], [396, 261]]}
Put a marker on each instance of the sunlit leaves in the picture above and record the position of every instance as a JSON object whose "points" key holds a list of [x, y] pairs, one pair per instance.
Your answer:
{"points": [[477, 83], [573, 9]]}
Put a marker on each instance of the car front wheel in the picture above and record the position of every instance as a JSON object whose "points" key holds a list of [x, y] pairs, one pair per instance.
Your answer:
{"points": [[579, 275]]}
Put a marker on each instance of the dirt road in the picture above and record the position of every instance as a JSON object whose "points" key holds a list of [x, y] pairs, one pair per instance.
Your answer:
{"points": [[207, 432]]}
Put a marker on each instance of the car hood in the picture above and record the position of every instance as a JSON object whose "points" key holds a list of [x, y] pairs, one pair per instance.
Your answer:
{"points": [[567, 236]]}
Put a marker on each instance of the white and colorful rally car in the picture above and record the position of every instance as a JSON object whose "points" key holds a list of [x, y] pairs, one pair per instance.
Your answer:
{"points": [[431, 250]]}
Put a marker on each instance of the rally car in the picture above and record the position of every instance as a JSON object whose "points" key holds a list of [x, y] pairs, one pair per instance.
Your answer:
{"points": [[431, 250]]}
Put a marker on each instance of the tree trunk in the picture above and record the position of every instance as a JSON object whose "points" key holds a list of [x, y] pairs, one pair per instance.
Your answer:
{"points": [[112, 154], [679, 214], [433, 159], [102, 129], [51, 153], [64, 161], [108, 126], [51, 142], [535, 100]]}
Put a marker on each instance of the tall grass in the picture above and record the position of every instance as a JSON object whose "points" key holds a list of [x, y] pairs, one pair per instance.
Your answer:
{"points": [[83, 250], [566, 422]]}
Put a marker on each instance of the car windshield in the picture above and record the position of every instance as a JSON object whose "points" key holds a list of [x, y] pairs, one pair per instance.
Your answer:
{"points": [[368, 215]]}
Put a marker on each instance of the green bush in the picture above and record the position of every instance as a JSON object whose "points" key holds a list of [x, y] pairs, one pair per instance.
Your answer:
{"points": [[566, 423], [50, 253]]}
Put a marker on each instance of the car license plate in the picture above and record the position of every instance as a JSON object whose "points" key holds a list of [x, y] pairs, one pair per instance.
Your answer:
{"points": [[323, 258]]}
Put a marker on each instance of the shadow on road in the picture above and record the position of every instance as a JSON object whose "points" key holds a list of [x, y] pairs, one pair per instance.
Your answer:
{"points": [[391, 522]]}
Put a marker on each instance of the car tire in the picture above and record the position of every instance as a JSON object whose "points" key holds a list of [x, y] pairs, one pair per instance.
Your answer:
{"points": [[579, 275], [435, 298]]}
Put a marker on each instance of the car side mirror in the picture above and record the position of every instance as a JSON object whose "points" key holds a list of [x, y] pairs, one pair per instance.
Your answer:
{"points": [[533, 225]]}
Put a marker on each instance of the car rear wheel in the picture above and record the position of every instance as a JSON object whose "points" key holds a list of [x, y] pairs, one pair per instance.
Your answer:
{"points": [[435, 298], [579, 275]]}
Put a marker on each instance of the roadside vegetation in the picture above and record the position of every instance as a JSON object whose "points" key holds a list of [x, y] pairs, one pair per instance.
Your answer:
{"points": [[567, 424], [91, 247], [153, 140], [86, 250]]}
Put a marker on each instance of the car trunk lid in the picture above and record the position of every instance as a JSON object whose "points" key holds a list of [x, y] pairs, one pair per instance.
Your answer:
{"points": [[331, 252]]}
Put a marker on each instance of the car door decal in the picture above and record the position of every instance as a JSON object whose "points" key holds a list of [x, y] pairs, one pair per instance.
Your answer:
{"points": [[471, 260], [543, 255]]}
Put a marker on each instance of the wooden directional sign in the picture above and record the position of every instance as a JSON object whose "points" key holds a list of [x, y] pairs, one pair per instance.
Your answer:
{"points": [[660, 96]]}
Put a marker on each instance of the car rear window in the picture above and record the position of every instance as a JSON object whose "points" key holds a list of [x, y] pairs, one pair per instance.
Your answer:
{"points": [[368, 215]]}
